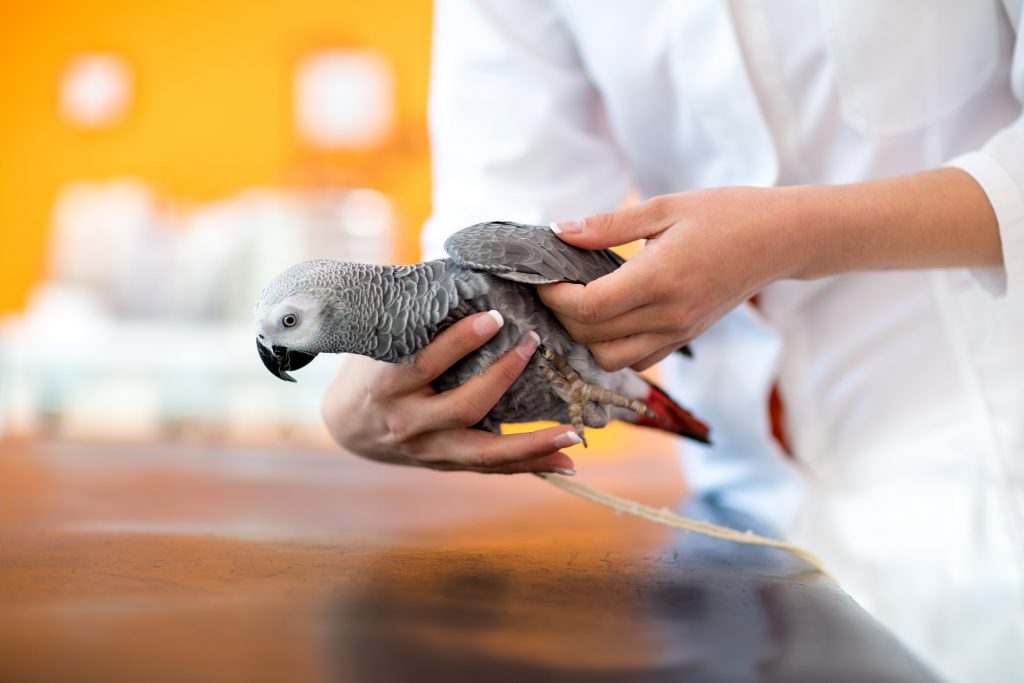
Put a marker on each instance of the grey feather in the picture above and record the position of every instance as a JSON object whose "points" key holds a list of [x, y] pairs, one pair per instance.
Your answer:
{"points": [[527, 253], [531, 254]]}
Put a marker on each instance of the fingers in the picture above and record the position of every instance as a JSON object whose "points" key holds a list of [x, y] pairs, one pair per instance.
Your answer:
{"points": [[616, 227], [623, 353], [388, 426], [656, 357], [466, 405], [621, 332], [449, 347], [627, 288], [647, 318], [483, 451], [559, 463]]}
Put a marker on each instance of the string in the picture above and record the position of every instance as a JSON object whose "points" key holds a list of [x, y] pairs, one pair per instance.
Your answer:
{"points": [[671, 519]]}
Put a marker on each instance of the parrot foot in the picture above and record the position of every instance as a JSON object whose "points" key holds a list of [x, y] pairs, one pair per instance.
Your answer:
{"points": [[576, 400], [564, 377]]}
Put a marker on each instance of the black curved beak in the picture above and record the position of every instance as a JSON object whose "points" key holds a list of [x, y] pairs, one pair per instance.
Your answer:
{"points": [[280, 359]]}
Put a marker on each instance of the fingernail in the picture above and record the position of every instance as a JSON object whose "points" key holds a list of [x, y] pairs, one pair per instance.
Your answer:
{"points": [[564, 472], [567, 439], [528, 344], [489, 323], [567, 227]]}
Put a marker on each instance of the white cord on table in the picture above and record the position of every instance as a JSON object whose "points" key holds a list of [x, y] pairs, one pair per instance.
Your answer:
{"points": [[671, 519]]}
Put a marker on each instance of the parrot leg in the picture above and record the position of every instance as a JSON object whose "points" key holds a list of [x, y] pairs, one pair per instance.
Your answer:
{"points": [[576, 402], [563, 376]]}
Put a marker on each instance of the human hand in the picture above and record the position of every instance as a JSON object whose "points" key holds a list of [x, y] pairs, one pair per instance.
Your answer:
{"points": [[391, 413], [710, 250], [706, 252]]}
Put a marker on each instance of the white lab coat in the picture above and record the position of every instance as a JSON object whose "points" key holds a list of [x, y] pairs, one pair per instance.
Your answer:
{"points": [[904, 391]]}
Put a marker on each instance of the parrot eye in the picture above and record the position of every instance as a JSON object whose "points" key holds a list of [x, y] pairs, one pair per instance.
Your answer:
{"points": [[290, 320]]}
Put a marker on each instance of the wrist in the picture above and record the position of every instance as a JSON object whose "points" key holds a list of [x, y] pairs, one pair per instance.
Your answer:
{"points": [[932, 219], [804, 231]]}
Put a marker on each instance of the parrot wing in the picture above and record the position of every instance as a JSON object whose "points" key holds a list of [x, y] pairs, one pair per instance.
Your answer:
{"points": [[531, 254], [527, 253]]}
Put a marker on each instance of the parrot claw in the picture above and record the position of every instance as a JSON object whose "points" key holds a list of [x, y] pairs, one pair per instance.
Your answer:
{"points": [[563, 376]]}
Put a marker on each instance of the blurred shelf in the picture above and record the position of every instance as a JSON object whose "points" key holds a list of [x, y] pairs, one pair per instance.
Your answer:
{"points": [[142, 381]]}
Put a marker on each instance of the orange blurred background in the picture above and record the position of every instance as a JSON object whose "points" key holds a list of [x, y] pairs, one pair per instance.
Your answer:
{"points": [[211, 112], [156, 169]]}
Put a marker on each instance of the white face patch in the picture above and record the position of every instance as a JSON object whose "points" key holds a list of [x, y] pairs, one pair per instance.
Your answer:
{"points": [[292, 323]]}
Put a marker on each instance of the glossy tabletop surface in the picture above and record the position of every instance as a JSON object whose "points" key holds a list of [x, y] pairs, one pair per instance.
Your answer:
{"points": [[192, 563]]}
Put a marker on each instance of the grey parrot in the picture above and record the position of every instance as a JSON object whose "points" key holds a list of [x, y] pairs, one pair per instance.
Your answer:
{"points": [[390, 312]]}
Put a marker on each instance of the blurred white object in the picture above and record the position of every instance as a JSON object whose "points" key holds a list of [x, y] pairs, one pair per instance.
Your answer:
{"points": [[111, 239], [112, 408], [362, 225], [95, 90], [141, 380], [145, 327], [344, 98], [140, 257]]}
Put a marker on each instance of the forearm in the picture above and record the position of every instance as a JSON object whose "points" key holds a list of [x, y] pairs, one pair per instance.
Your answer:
{"points": [[933, 219], [707, 251]]}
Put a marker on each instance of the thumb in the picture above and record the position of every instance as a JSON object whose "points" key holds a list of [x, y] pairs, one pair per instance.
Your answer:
{"points": [[613, 228]]}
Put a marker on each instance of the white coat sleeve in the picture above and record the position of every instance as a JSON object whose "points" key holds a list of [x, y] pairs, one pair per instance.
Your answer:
{"points": [[999, 168], [517, 129]]}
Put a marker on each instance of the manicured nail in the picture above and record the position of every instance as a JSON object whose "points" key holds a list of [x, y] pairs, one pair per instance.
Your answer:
{"points": [[564, 472], [486, 324], [567, 439], [528, 344], [567, 227]]}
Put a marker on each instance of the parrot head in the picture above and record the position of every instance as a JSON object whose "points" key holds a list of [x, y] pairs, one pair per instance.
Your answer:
{"points": [[304, 311], [282, 332]]}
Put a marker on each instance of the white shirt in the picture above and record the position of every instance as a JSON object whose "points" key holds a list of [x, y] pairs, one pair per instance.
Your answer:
{"points": [[904, 391]]}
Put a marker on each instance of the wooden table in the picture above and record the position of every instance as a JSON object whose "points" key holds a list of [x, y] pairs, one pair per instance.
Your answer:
{"points": [[193, 563]]}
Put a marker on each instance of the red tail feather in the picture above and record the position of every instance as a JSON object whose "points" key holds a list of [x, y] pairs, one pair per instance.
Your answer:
{"points": [[672, 417]]}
